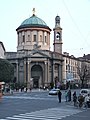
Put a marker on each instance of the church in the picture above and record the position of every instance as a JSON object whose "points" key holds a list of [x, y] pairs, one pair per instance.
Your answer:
{"points": [[34, 63]]}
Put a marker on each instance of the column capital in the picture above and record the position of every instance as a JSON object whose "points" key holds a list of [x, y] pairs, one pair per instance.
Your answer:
{"points": [[28, 61], [17, 62], [45, 62]]}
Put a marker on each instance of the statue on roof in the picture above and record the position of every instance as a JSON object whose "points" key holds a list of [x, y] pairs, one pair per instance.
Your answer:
{"points": [[33, 11]]}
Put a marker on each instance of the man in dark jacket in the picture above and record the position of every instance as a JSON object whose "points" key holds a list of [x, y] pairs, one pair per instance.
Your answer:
{"points": [[69, 95], [59, 96], [75, 98]]}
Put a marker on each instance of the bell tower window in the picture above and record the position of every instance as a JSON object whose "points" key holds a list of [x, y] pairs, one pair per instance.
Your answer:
{"points": [[57, 20]]}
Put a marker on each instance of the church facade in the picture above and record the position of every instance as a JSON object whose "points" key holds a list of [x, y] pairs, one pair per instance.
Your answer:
{"points": [[34, 63]]}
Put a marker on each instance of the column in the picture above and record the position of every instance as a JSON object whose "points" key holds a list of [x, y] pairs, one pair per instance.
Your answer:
{"points": [[53, 74], [45, 72], [52, 70], [48, 72], [25, 71], [29, 71], [28, 78], [17, 71], [60, 73], [28, 74]]}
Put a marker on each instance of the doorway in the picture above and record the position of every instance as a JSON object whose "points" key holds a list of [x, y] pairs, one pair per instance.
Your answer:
{"points": [[36, 82], [37, 75]]}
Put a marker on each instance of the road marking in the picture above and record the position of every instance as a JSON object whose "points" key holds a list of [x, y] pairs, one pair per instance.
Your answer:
{"points": [[47, 114], [35, 98]]}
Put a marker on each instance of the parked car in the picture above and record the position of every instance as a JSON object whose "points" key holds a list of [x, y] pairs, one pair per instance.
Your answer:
{"points": [[84, 92], [54, 91]]}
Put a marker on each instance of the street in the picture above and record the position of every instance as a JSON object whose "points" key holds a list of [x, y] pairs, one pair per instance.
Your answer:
{"points": [[38, 105]]}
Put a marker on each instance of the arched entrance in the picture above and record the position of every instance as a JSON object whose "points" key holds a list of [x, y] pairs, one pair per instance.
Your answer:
{"points": [[37, 75]]}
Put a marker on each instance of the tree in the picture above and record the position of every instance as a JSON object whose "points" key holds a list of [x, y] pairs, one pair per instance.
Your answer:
{"points": [[83, 71], [6, 71]]}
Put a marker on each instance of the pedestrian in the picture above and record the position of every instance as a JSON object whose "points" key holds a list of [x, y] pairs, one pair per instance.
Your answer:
{"points": [[69, 95], [80, 100], [75, 98], [26, 89], [59, 96]]}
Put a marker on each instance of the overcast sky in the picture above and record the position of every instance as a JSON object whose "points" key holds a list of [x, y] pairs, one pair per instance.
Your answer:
{"points": [[75, 22]]}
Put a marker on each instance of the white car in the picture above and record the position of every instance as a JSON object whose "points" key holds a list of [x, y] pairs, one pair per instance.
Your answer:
{"points": [[84, 92], [54, 91]]}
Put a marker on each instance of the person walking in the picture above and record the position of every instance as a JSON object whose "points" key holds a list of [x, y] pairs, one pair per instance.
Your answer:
{"points": [[75, 98], [69, 95], [80, 100], [59, 96]]}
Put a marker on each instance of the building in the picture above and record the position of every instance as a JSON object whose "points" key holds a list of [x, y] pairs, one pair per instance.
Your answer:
{"points": [[71, 68], [34, 63], [2, 50], [70, 65]]}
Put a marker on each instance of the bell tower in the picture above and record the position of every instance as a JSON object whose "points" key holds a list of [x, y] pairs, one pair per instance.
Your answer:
{"points": [[57, 36]]}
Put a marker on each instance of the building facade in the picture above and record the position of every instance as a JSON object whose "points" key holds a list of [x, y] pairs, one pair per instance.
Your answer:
{"points": [[34, 63], [70, 66], [75, 69]]}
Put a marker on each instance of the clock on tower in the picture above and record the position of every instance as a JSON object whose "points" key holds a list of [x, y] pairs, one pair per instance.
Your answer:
{"points": [[58, 36]]}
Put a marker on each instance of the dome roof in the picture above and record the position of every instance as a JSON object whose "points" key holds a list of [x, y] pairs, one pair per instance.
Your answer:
{"points": [[33, 21]]}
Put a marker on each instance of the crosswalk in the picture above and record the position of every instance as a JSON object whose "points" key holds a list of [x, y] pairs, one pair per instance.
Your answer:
{"points": [[47, 114], [30, 97]]}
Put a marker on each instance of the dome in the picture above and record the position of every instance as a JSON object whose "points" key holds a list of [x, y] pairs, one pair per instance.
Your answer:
{"points": [[33, 21]]}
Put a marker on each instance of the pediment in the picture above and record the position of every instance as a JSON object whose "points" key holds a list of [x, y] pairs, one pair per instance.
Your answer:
{"points": [[37, 53]]}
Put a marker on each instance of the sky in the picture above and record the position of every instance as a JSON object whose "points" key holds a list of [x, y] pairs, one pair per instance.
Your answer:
{"points": [[75, 22]]}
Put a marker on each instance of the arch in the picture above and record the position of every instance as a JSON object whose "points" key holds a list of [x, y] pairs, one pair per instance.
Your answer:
{"points": [[37, 75]]}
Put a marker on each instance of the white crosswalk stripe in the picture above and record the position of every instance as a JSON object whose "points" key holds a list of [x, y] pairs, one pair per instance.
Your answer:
{"points": [[47, 114], [30, 97]]}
